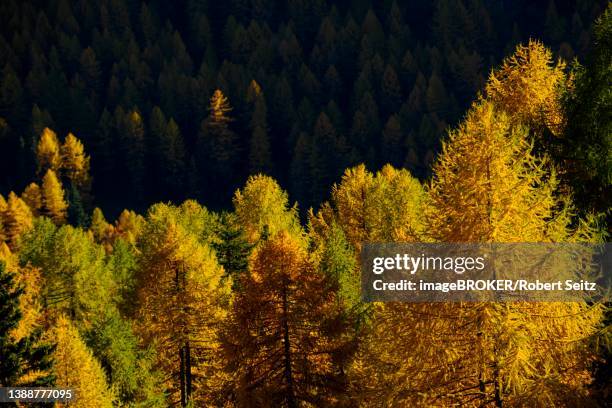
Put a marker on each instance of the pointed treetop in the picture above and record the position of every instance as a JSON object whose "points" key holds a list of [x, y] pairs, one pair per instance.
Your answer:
{"points": [[253, 91], [32, 197], [135, 118], [74, 161], [75, 366], [263, 204], [54, 204], [219, 107], [48, 151], [17, 219], [527, 87]]}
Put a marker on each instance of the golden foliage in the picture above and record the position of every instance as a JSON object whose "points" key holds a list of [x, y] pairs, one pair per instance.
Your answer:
{"points": [[527, 87], [287, 339], [385, 206], [128, 226], [30, 279], [33, 198], [16, 219], [30, 302], [182, 297], [487, 187], [74, 162], [219, 107], [495, 192], [263, 207], [76, 368], [103, 232], [54, 205], [3, 207], [48, 152], [68, 157]]}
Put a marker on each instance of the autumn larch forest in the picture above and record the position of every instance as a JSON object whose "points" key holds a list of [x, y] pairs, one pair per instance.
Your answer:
{"points": [[185, 188]]}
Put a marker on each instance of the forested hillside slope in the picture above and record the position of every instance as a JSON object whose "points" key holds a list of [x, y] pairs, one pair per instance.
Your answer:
{"points": [[312, 86], [185, 191]]}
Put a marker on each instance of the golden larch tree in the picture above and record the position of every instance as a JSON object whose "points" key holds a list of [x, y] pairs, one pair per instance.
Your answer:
{"points": [[103, 232], [16, 219], [262, 207], [219, 108], [48, 152], [33, 198], [74, 162], [53, 203], [181, 300], [350, 202], [374, 207], [129, 226], [76, 368], [487, 187], [382, 207], [3, 207], [528, 86], [518, 353], [287, 337], [30, 306]]}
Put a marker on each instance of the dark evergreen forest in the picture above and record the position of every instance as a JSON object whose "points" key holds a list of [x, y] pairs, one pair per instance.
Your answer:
{"points": [[312, 86]]}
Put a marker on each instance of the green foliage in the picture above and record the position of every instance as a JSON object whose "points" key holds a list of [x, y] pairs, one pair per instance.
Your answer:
{"points": [[338, 262], [76, 211], [130, 371], [78, 282], [122, 263], [232, 249], [585, 149], [82, 281]]}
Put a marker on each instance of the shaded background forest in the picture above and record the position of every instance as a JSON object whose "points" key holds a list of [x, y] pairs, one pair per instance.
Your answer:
{"points": [[314, 86], [258, 304]]}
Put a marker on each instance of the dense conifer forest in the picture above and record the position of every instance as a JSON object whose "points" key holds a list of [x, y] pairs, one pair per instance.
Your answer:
{"points": [[185, 188], [311, 87]]}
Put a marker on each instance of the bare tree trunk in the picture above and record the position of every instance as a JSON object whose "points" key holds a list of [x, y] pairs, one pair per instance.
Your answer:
{"points": [[291, 403], [188, 370], [182, 376]]}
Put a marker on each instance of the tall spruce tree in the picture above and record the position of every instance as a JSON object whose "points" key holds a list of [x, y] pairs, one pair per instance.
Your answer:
{"points": [[218, 150], [233, 249], [131, 128], [260, 160], [585, 150]]}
